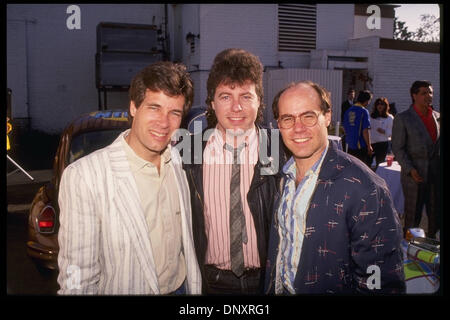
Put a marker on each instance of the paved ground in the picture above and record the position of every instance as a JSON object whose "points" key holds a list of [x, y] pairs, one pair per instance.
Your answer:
{"points": [[24, 277], [21, 189]]}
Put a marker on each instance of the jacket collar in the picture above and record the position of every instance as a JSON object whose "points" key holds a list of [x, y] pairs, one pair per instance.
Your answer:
{"points": [[126, 199], [334, 162]]}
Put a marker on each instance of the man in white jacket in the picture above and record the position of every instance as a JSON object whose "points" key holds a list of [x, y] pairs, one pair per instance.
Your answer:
{"points": [[125, 219]]}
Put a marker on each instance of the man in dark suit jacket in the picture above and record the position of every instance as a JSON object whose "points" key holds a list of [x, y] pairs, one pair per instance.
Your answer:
{"points": [[416, 146], [348, 102], [334, 229]]}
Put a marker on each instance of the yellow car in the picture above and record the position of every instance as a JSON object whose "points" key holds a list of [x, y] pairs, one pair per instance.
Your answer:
{"points": [[82, 136]]}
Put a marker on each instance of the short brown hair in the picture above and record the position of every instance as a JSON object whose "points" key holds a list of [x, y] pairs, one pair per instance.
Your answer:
{"points": [[324, 96], [168, 77], [416, 87], [234, 66]]}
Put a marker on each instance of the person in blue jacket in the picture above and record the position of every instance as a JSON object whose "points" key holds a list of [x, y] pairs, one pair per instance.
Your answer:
{"points": [[335, 229]]}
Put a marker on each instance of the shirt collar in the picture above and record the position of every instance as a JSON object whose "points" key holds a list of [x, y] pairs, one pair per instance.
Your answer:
{"points": [[216, 138], [358, 104], [429, 111], [290, 169], [140, 163]]}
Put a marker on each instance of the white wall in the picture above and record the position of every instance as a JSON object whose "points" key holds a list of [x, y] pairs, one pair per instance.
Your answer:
{"points": [[61, 65], [190, 23], [395, 71], [223, 26], [278, 79], [61, 70], [295, 59], [334, 25], [386, 28], [252, 27]]}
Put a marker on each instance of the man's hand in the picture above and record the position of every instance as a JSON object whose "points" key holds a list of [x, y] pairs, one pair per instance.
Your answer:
{"points": [[369, 150], [416, 176]]}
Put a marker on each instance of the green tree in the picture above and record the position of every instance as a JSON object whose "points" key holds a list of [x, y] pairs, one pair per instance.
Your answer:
{"points": [[401, 30], [429, 29]]}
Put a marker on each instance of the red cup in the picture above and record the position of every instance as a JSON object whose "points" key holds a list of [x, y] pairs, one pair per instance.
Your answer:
{"points": [[389, 160]]}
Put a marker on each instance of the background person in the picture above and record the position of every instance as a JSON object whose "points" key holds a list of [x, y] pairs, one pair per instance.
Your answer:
{"points": [[344, 107], [380, 130], [335, 217], [348, 103], [416, 146]]}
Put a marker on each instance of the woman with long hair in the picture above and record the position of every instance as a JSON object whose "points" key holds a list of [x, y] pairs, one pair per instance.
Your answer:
{"points": [[381, 129]]}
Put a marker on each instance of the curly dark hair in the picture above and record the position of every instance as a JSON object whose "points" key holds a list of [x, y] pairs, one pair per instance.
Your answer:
{"points": [[415, 87], [234, 66], [168, 77]]}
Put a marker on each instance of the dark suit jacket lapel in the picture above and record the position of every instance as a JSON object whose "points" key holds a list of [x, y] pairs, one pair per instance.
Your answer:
{"points": [[418, 123]]}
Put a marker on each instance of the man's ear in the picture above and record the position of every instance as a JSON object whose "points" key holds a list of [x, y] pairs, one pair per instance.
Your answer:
{"points": [[132, 109], [212, 106], [328, 118]]}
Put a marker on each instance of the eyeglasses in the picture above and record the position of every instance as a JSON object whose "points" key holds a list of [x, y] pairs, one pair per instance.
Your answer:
{"points": [[308, 119]]}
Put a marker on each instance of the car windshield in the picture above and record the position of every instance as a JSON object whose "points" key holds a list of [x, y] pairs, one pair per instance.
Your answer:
{"points": [[87, 142]]}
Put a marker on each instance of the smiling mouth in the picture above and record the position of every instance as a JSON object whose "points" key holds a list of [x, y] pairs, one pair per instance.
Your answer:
{"points": [[158, 134], [301, 140], [236, 118]]}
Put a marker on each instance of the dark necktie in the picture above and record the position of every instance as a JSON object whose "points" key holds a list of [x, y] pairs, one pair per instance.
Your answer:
{"points": [[238, 233]]}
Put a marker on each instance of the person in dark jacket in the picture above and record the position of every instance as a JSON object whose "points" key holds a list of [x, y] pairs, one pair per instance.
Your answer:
{"points": [[335, 229], [416, 146], [232, 178]]}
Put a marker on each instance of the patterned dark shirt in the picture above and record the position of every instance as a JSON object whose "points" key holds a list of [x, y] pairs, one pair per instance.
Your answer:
{"points": [[353, 233]]}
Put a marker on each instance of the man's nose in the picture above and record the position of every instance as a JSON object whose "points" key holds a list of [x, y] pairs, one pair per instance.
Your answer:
{"points": [[298, 125], [236, 105], [163, 120]]}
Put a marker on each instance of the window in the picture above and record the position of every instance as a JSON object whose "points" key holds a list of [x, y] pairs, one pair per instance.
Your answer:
{"points": [[85, 143], [296, 27]]}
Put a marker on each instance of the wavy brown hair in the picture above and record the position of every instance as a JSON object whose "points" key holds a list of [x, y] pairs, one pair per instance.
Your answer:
{"points": [[168, 77], [234, 66]]}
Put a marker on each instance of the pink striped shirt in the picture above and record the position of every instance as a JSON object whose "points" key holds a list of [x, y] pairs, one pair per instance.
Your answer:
{"points": [[217, 167]]}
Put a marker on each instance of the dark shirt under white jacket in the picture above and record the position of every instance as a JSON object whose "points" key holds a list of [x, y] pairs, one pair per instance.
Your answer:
{"points": [[351, 225]]}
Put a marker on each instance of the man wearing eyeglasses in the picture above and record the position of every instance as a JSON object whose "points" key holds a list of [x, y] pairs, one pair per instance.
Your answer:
{"points": [[232, 200], [335, 229]]}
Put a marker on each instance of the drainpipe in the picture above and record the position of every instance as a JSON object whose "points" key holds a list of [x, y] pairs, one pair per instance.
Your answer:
{"points": [[27, 70], [166, 34], [27, 64]]}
